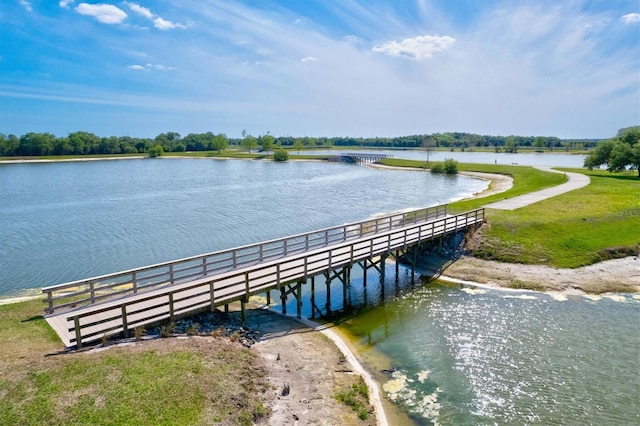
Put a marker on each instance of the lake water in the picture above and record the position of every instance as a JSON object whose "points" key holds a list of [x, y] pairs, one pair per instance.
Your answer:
{"points": [[528, 159], [65, 221], [460, 356]]}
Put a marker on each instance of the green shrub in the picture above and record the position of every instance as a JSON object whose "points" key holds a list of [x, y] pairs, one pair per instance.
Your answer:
{"points": [[280, 155], [450, 166], [437, 168], [155, 151]]}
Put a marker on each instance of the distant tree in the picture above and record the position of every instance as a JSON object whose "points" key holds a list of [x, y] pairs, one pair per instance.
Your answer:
{"points": [[36, 144], [297, 144], [9, 145], [267, 142], [510, 145], [84, 143], [539, 143], [280, 155], [428, 144], [249, 142], [619, 153], [220, 142], [155, 151]]}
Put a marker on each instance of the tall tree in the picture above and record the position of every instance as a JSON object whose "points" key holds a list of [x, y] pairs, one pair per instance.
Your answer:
{"points": [[297, 144], [618, 154], [220, 142], [267, 142], [249, 142]]}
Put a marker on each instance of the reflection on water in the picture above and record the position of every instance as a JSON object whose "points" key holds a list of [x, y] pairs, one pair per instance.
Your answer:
{"points": [[467, 356]]}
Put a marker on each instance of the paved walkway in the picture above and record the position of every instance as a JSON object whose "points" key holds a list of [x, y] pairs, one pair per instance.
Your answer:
{"points": [[574, 181]]}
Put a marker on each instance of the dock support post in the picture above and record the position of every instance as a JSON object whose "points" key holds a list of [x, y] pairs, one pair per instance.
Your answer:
{"points": [[364, 272], [299, 300], [382, 276], [226, 308], [243, 311], [413, 263], [328, 282], [345, 282], [397, 256], [211, 296], [283, 300], [313, 296], [268, 298]]}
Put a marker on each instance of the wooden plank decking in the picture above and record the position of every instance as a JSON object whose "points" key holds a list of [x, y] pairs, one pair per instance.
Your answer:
{"points": [[221, 286]]}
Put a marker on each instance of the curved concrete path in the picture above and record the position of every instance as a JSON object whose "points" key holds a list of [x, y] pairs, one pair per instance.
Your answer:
{"points": [[574, 181]]}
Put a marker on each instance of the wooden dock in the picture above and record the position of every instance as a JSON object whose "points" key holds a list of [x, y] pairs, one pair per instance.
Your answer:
{"points": [[84, 311]]}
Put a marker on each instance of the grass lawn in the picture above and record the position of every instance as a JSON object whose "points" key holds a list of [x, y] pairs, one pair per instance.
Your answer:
{"points": [[165, 381], [598, 222], [595, 223]]}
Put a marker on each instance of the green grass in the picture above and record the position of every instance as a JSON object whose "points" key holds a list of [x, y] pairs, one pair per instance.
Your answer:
{"points": [[169, 382], [582, 227], [595, 223], [356, 397]]}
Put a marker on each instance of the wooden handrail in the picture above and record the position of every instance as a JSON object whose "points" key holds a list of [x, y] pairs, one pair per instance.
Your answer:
{"points": [[168, 273]]}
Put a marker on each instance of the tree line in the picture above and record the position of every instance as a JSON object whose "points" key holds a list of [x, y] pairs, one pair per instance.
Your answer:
{"points": [[85, 143]]}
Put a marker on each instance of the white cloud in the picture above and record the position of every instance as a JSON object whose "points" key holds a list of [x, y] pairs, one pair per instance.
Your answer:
{"points": [[630, 18], [308, 59], [140, 10], [66, 3], [163, 24], [420, 47], [148, 67], [103, 13], [26, 5]]}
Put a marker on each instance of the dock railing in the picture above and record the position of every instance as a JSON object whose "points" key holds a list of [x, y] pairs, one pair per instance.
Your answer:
{"points": [[80, 293], [167, 303]]}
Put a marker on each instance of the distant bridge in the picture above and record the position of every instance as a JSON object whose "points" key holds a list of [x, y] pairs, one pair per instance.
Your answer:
{"points": [[360, 157], [86, 310]]}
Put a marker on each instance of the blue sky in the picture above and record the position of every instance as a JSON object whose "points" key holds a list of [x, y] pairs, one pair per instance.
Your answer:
{"points": [[320, 68]]}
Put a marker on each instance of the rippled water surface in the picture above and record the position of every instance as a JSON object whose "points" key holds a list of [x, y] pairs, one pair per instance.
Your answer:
{"points": [[72, 220], [468, 357]]}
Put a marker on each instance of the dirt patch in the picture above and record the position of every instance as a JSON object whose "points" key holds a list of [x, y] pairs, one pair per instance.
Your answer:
{"points": [[618, 275], [305, 371]]}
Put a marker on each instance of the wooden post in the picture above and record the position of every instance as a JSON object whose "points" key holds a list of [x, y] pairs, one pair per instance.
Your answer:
{"points": [[268, 297], [364, 272], [243, 311], [344, 289], [170, 306], [413, 263], [125, 326], [226, 308], [50, 301], [213, 303], [134, 281], [313, 296], [299, 300], [283, 300], [76, 324], [328, 282], [397, 264]]}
